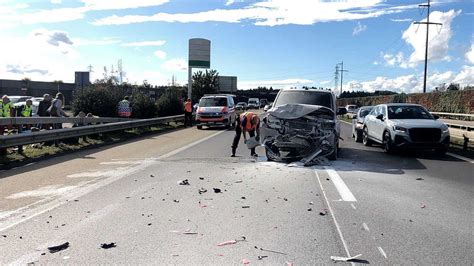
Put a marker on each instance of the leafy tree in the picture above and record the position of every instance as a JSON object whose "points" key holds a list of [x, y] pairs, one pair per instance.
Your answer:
{"points": [[453, 87], [170, 102], [205, 83]]}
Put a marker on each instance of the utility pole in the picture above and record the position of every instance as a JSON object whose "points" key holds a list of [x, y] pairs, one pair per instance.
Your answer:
{"points": [[427, 23], [342, 70], [336, 78]]}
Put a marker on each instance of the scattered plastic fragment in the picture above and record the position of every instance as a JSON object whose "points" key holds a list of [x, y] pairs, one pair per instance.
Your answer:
{"points": [[268, 250], [420, 178], [201, 178], [328, 179], [262, 257], [243, 197], [176, 200], [423, 206], [149, 224], [4, 235], [336, 258], [238, 181], [309, 209], [225, 243], [217, 190], [289, 263], [107, 246], [54, 249], [245, 207], [323, 212], [285, 199], [152, 176], [311, 203], [184, 182], [202, 190], [411, 221], [245, 261]]}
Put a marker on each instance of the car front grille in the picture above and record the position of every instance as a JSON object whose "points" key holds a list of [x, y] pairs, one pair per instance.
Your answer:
{"points": [[425, 134], [211, 115]]}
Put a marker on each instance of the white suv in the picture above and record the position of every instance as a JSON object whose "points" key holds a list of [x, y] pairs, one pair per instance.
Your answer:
{"points": [[405, 126]]}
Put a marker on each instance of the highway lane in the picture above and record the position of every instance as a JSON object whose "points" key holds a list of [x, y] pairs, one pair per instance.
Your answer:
{"points": [[147, 213]]}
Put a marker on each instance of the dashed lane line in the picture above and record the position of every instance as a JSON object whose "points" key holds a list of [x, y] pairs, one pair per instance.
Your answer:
{"points": [[382, 252], [346, 194], [460, 157]]}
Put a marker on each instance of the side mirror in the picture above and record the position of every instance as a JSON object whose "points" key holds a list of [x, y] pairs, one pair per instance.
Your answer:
{"points": [[436, 117], [380, 117], [341, 111], [354, 117]]}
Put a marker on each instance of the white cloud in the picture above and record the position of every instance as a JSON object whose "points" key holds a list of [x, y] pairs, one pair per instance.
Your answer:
{"points": [[160, 54], [272, 13], [56, 1], [325, 82], [276, 84], [176, 64], [359, 29], [145, 43], [398, 60], [470, 55], [466, 76], [231, 2], [402, 20], [152, 77], [121, 4], [55, 38], [439, 41], [103, 41]]}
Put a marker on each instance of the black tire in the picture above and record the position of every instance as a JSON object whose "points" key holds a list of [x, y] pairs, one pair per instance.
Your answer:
{"points": [[199, 127], [387, 143], [333, 156], [358, 136], [365, 137]]}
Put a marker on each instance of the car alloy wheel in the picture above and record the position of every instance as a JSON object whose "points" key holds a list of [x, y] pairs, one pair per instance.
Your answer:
{"points": [[365, 137], [387, 142]]}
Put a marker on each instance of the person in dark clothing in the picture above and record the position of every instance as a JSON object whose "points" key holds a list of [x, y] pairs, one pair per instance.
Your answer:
{"points": [[43, 109]]}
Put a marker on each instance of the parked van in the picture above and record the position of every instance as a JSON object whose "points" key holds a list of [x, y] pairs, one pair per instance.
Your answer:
{"points": [[253, 103], [216, 110]]}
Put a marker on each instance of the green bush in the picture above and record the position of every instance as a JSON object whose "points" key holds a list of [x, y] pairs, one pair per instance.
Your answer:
{"points": [[143, 106], [169, 103], [98, 99]]}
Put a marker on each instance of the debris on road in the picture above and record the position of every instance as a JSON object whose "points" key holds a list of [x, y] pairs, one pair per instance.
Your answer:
{"points": [[420, 178], [152, 176], [225, 243], [348, 259], [243, 197], [184, 182], [217, 190], [201, 178], [423, 206], [107, 246], [177, 201], [262, 257], [246, 261], [238, 181], [323, 212], [149, 224], [289, 263], [309, 209], [54, 249], [245, 207], [202, 190], [311, 203], [268, 250]]}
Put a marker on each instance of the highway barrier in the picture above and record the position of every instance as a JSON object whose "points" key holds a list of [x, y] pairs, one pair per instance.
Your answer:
{"points": [[58, 134]]}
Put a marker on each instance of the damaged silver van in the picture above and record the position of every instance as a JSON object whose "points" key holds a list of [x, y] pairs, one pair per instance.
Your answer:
{"points": [[301, 126]]}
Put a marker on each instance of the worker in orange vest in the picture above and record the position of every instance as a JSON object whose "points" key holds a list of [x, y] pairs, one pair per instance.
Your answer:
{"points": [[246, 122], [188, 113]]}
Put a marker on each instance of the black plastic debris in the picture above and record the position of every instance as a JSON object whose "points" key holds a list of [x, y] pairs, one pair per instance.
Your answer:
{"points": [[184, 182], [245, 207], [243, 197], [201, 178], [176, 200], [309, 209], [420, 178], [54, 249], [217, 190], [152, 176], [328, 179], [262, 257], [4, 236], [269, 250], [202, 190], [323, 212], [107, 246], [149, 224]]}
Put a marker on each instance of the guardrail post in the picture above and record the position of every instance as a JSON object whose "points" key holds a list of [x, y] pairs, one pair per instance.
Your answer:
{"points": [[466, 142]]}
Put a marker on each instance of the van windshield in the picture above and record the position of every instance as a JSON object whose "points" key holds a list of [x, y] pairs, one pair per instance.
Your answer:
{"points": [[304, 97], [215, 101]]}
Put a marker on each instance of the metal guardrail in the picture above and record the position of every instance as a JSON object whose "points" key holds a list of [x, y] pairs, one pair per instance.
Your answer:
{"points": [[454, 114], [52, 120], [57, 134]]}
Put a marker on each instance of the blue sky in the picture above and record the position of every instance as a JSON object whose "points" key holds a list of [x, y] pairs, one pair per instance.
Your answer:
{"points": [[279, 43]]}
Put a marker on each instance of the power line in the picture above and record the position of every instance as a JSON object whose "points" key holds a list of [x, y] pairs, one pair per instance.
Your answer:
{"points": [[427, 23], [342, 70]]}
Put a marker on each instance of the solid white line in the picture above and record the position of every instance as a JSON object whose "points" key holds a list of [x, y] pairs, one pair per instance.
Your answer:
{"points": [[366, 228], [382, 252], [353, 206], [460, 157], [88, 189], [333, 217], [341, 187]]}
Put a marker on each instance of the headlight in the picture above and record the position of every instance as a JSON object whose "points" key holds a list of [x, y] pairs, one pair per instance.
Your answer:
{"points": [[400, 129], [445, 129]]}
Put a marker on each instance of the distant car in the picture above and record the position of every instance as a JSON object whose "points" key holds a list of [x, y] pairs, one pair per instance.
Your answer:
{"points": [[216, 110], [263, 102], [15, 99], [358, 122], [253, 103], [241, 106], [267, 107], [351, 108], [405, 126], [34, 107]]}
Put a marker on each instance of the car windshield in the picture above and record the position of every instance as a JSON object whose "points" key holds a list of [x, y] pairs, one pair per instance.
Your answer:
{"points": [[215, 101], [408, 112], [304, 97], [365, 112]]}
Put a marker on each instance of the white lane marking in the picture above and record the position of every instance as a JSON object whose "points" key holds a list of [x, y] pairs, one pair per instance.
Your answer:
{"points": [[460, 157], [333, 217], [341, 187], [29, 214], [353, 206], [366, 228], [346, 122], [382, 252]]}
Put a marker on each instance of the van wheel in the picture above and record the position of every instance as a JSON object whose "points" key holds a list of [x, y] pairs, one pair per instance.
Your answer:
{"points": [[365, 137]]}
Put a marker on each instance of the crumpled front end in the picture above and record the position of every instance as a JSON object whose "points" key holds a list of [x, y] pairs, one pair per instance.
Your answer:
{"points": [[303, 133]]}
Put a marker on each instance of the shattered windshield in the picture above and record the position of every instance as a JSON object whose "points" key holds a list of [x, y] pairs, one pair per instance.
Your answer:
{"points": [[408, 112], [304, 97], [212, 102]]}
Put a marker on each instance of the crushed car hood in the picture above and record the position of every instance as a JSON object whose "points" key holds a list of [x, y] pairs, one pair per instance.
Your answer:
{"points": [[294, 111]]}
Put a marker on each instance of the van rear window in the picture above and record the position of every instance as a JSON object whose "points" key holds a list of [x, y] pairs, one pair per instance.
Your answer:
{"points": [[215, 101]]}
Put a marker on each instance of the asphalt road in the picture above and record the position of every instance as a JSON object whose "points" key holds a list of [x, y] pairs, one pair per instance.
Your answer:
{"points": [[129, 194]]}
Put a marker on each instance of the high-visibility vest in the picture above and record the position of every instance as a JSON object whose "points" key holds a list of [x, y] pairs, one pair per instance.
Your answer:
{"points": [[124, 109], [245, 118], [7, 109], [188, 107], [26, 112]]}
